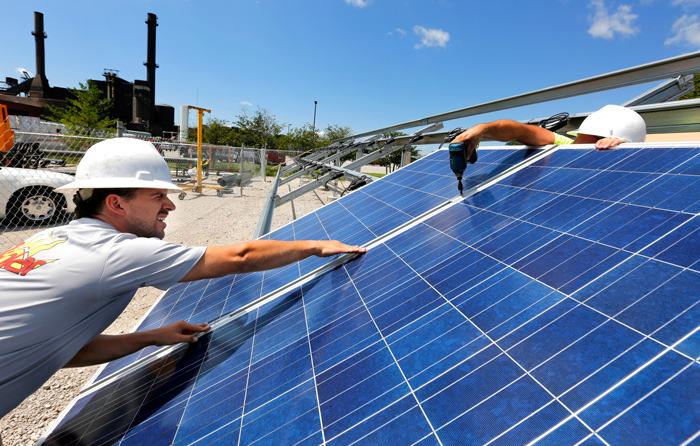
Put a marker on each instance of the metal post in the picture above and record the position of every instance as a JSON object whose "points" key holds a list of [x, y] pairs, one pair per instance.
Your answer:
{"points": [[120, 129], [240, 169], [406, 158], [199, 150], [266, 216], [263, 162], [314, 125], [200, 114]]}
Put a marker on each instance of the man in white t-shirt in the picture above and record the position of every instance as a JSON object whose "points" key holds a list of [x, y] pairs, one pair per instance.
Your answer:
{"points": [[606, 128], [64, 286]]}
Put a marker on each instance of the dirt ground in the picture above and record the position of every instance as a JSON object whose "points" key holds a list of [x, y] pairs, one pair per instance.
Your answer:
{"points": [[199, 220]]}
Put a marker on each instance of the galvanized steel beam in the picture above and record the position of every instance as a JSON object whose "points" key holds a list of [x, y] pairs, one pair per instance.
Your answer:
{"points": [[666, 91], [266, 216], [659, 70]]}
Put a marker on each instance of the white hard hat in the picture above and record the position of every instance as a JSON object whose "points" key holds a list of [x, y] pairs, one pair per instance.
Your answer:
{"points": [[121, 163], [614, 120]]}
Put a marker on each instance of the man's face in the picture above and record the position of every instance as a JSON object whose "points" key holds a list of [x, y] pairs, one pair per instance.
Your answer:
{"points": [[145, 212], [582, 138]]}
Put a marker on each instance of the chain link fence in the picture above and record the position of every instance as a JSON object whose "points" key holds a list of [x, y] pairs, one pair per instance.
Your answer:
{"points": [[36, 157]]}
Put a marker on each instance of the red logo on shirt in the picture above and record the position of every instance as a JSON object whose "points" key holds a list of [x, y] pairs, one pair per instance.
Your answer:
{"points": [[20, 259]]}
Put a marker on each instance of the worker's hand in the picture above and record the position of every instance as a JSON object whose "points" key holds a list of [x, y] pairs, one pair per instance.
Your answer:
{"points": [[471, 137], [606, 143], [176, 332], [326, 248]]}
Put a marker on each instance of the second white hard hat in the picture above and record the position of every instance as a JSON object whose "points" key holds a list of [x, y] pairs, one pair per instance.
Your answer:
{"points": [[614, 120], [122, 163]]}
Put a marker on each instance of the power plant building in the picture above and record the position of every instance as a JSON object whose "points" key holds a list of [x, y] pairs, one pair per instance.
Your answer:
{"points": [[133, 102]]}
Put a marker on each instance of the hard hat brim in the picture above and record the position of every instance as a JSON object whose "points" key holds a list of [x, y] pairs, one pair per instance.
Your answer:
{"points": [[117, 183]]}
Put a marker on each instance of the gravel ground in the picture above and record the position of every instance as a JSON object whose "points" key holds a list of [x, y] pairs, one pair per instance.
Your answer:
{"points": [[199, 220]]}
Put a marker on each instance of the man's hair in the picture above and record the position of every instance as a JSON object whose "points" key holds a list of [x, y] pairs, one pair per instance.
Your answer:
{"points": [[91, 206]]}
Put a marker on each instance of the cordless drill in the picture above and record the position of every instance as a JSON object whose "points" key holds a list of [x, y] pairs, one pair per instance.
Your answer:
{"points": [[458, 161]]}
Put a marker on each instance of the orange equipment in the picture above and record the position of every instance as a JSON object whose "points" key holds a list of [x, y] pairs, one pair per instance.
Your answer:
{"points": [[7, 135]]}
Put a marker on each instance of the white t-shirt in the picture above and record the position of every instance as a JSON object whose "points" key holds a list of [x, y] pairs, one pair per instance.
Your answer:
{"points": [[66, 285]]}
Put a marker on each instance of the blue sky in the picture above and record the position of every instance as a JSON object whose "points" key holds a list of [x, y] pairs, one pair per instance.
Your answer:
{"points": [[368, 63]]}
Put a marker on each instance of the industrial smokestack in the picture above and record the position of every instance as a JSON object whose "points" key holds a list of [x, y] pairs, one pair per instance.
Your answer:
{"points": [[40, 85], [39, 36], [150, 64]]}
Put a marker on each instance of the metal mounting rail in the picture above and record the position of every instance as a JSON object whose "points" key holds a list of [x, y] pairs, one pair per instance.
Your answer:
{"points": [[339, 171], [667, 117], [660, 70], [389, 147], [340, 152], [666, 91], [266, 217]]}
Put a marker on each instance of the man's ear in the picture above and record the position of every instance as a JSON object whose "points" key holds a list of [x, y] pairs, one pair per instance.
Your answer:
{"points": [[114, 204]]}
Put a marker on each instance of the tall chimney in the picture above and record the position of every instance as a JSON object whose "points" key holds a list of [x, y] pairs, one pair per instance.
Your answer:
{"points": [[40, 85], [151, 57]]}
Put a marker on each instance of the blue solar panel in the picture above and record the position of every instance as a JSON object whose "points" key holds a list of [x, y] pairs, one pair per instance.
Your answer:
{"points": [[559, 305], [356, 219]]}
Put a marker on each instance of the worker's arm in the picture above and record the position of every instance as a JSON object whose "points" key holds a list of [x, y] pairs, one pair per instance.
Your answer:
{"points": [[105, 348], [505, 130], [260, 255]]}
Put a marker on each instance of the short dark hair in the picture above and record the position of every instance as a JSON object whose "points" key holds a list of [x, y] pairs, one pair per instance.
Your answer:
{"points": [[92, 205]]}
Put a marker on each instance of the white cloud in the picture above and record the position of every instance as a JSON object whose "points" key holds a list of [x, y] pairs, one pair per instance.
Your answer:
{"points": [[605, 25], [21, 71], [246, 103], [358, 3], [686, 3], [399, 31], [431, 37], [686, 31]]}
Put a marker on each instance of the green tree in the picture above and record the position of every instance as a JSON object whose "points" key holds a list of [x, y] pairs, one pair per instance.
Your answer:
{"points": [[85, 107], [257, 130], [333, 132], [216, 131], [302, 139], [696, 92]]}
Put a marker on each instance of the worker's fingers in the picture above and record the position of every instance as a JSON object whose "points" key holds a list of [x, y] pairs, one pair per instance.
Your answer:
{"points": [[194, 328], [462, 136], [180, 331], [606, 143], [471, 148], [333, 247], [188, 330], [470, 137]]}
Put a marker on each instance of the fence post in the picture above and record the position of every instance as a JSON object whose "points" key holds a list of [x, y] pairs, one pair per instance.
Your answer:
{"points": [[240, 168], [263, 163], [120, 129]]}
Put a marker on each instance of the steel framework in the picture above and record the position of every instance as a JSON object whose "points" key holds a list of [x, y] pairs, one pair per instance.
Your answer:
{"points": [[660, 117]]}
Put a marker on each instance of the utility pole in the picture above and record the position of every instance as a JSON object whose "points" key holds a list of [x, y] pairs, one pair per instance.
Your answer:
{"points": [[314, 125]]}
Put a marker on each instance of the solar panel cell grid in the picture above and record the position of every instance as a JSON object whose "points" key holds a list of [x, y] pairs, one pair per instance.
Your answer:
{"points": [[510, 317]]}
